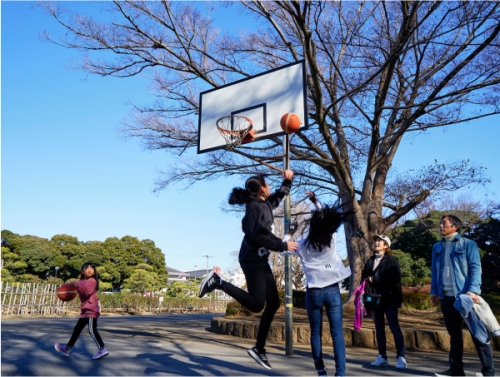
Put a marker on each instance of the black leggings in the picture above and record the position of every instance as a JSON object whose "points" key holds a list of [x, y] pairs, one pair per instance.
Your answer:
{"points": [[80, 325], [261, 290]]}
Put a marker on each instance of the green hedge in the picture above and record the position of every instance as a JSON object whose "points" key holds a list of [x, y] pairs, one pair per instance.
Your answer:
{"points": [[417, 300], [133, 301]]}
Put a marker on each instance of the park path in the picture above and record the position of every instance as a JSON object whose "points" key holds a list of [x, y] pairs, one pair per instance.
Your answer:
{"points": [[178, 345]]}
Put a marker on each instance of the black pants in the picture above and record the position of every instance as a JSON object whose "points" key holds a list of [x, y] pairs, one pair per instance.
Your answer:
{"points": [[392, 318], [261, 290], [453, 321], [80, 325]]}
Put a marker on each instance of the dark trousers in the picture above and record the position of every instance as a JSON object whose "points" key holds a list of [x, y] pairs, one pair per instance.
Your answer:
{"points": [[392, 318], [261, 290], [80, 325], [453, 322]]}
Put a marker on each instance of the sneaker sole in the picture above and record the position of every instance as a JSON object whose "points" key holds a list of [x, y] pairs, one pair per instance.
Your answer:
{"points": [[257, 359], [100, 357], [210, 274]]}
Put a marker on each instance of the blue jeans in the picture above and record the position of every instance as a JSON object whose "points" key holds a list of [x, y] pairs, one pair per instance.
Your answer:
{"points": [[392, 318], [329, 297]]}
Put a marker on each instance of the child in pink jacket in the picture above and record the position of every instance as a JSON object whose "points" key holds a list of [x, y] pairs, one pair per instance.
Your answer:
{"points": [[87, 288]]}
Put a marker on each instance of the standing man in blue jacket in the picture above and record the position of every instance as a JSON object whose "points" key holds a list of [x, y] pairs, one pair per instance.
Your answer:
{"points": [[456, 269]]}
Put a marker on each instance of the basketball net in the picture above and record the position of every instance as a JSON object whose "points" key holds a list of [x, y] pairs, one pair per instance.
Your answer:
{"points": [[233, 129]]}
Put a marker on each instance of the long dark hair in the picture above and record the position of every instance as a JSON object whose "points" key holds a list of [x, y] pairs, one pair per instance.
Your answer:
{"points": [[323, 224], [96, 274], [252, 188]]}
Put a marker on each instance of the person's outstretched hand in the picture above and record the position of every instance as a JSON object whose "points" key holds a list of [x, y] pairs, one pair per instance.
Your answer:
{"points": [[217, 270], [312, 196], [291, 245], [288, 174]]}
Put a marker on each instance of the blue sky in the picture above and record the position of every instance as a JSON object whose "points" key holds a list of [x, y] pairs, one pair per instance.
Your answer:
{"points": [[66, 169]]}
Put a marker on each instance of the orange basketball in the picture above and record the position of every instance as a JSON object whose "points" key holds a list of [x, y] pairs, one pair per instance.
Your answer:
{"points": [[249, 137], [66, 292], [290, 123]]}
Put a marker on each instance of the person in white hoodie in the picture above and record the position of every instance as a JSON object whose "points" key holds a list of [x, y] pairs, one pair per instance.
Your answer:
{"points": [[324, 271]]}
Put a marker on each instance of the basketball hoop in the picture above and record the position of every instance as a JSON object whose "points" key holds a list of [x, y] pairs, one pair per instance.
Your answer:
{"points": [[234, 129]]}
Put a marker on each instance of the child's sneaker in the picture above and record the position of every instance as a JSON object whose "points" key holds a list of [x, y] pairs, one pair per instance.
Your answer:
{"points": [[101, 353], [65, 350]]}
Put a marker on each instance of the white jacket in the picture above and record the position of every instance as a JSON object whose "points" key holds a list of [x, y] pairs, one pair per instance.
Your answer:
{"points": [[322, 268], [484, 313]]}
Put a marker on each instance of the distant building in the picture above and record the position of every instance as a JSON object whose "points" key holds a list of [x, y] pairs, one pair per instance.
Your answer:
{"points": [[176, 275]]}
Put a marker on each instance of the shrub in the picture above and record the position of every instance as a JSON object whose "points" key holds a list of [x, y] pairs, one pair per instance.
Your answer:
{"points": [[233, 309], [417, 300]]}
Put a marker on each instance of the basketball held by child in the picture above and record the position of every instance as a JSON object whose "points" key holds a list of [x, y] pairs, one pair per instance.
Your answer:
{"points": [[66, 292], [290, 123]]}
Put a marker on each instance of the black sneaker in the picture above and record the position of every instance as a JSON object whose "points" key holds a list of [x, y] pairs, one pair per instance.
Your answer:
{"points": [[445, 373], [322, 372], [259, 357], [448, 373], [211, 282]]}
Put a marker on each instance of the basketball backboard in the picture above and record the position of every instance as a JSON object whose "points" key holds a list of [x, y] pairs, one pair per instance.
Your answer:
{"points": [[264, 98]]}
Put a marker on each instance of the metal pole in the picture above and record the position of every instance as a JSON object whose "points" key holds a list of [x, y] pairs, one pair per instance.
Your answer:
{"points": [[208, 257], [287, 215]]}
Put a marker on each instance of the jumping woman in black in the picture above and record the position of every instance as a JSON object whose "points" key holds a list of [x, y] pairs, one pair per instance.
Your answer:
{"points": [[259, 240]]}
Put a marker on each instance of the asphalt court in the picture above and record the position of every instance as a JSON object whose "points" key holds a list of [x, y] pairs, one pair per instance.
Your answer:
{"points": [[180, 345]]}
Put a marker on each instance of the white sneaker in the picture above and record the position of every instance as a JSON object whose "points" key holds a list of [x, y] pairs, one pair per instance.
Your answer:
{"points": [[380, 362], [401, 363]]}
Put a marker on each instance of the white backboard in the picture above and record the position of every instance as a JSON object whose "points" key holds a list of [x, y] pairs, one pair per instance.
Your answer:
{"points": [[263, 98]]}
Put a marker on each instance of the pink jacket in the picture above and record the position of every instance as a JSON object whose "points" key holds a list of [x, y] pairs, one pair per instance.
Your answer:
{"points": [[359, 309], [90, 307]]}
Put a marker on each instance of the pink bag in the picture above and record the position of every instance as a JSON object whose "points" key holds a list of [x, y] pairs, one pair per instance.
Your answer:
{"points": [[359, 309]]}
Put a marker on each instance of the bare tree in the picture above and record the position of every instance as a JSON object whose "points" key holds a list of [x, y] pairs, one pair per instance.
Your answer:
{"points": [[376, 72]]}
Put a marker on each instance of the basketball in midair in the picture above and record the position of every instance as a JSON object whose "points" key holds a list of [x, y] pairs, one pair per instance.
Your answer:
{"points": [[290, 123], [66, 292], [249, 136]]}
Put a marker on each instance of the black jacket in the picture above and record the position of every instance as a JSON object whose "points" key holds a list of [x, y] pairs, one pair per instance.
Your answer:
{"points": [[387, 281], [256, 225]]}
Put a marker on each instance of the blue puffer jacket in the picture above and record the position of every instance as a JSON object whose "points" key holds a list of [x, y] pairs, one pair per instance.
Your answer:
{"points": [[466, 267]]}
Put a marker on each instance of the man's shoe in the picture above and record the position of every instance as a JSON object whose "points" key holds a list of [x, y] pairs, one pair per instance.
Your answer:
{"points": [[322, 372], [211, 282], [401, 363], [445, 373], [62, 348], [380, 362], [449, 373], [259, 357], [101, 353]]}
